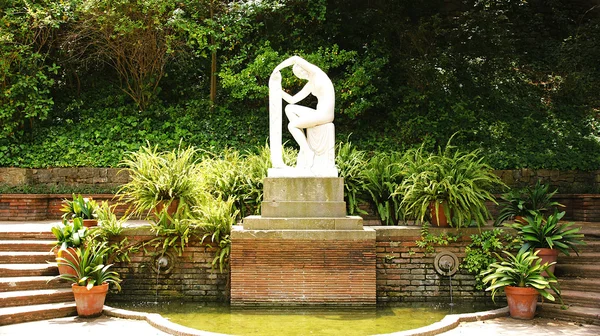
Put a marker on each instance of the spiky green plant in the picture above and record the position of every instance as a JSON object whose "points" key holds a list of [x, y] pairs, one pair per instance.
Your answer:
{"points": [[351, 163], [520, 202], [69, 234], [539, 232], [90, 268], [216, 217], [462, 179], [161, 176], [79, 207], [522, 270], [382, 176]]}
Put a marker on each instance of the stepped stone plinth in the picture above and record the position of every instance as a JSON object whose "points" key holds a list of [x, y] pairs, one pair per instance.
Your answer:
{"points": [[303, 249]]}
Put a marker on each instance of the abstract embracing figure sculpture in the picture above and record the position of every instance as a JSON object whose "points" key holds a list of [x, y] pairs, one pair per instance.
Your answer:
{"points": [[312, 129]]}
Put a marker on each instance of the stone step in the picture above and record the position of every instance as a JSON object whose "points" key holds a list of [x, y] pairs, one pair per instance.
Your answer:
{"points": [[590, 246], [33, 297], [577, 271], [20, 314], [26, 257], [581, 298], [26, 235], [585, 315], [27, 245], [580, 284], [582, 258], [31, 282], [21, 270]]}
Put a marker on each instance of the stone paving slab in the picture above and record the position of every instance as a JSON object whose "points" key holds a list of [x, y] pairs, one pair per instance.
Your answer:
{"points": [[100, 326], [506, 326]]}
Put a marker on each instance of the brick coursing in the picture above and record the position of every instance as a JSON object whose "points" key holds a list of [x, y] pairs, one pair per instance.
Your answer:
{"points": [[405, 273], [302, 272], [191, 277]]}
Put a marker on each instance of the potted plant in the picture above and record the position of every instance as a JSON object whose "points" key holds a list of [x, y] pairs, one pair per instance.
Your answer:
{"points": [[69, 236], [450, 187], [92, 278], [520, 276], [518, 203], [158, 180], [548, 236], [80, 207]]}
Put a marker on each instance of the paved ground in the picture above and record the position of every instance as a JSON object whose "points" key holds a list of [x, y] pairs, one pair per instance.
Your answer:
{"points": [[105, 325], [100, 326], [506, 326]]}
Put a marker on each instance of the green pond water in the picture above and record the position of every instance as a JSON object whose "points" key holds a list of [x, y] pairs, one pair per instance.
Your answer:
{"points": [[302, 321]]}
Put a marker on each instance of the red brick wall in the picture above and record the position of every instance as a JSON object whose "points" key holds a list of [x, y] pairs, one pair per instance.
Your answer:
{"points": [[191, 277], [302, 272], [405, 273], [328, 270], [23, 207], [19, 207]]}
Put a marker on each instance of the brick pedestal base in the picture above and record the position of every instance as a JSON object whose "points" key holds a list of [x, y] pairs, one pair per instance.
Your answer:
{"points": [[303, 249], [303, 267]]}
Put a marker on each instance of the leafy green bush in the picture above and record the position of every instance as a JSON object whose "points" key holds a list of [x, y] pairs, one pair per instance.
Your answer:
{"points": [[485, 249]]}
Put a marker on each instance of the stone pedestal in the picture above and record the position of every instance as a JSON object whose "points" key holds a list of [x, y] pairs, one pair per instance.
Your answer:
{"points": [[303, 249]]}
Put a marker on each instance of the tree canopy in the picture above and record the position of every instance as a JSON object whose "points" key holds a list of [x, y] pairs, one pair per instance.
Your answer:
{"points": [[83, 81]]}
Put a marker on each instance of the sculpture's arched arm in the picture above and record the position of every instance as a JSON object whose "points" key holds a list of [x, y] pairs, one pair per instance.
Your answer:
{"points": [[298, 96]]}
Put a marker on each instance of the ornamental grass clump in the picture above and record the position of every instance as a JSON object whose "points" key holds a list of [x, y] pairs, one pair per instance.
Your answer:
{"points": [[382, 176], [161, 177]]}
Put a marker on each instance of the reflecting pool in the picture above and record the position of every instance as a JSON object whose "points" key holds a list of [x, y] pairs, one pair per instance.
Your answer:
{"points": [[302, 321]]}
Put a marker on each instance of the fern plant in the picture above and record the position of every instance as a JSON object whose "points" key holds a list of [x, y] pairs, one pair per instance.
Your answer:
{"points": [[460, 179]]}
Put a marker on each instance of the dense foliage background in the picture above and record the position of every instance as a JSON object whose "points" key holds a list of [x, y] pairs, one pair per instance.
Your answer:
{"points": [[83, 81]]}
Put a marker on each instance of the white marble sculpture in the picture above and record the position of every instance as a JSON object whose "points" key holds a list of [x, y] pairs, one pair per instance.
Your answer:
{"points": [[312, 129]]}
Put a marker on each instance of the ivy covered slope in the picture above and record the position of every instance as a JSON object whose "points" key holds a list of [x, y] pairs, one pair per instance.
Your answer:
{"points": [[84, 81]]}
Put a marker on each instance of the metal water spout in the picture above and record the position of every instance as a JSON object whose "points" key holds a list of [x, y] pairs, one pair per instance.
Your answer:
{"points": [[161, 262], [446, 264]]}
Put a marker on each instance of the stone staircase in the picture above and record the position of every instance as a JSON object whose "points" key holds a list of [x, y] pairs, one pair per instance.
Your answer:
{"points": [[579, 278], [28, 291]]}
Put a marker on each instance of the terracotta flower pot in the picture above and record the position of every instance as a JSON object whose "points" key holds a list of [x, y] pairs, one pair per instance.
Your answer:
{"points": [[87, 222], [442, 221], [90, 303], [548, 256], [71, 255], [90, 222], [520, 219], [171, 209], [522, 302]]}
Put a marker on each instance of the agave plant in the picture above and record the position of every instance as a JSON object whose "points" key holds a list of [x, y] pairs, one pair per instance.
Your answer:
{"points": [[538, 232], [90, 267], [521, 270], [79, 207]]}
